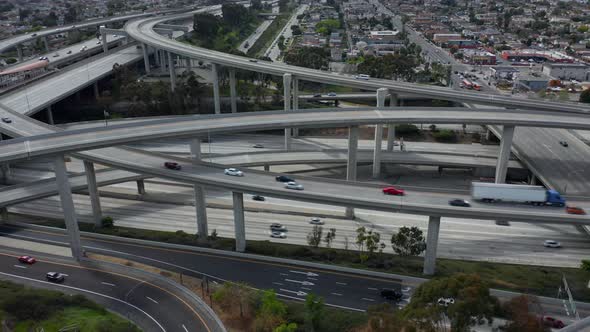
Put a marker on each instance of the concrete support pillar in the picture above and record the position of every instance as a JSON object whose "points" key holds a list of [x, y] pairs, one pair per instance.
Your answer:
{"points": [[45, 43], [287, 101], [78, 96], [3, 214], [146, 58], [67, 205], [140, 187], [239, 224], [172, 72], [353, 138], [189, 63], [431, 245], [96, 91], [488, 134], [505, 147], [295, 131], [157, 58], [267, 168], [393, 99], [381, 93], [200, 202], [105, 44], [232, 90], [19, 51], [50, 115], [93, 193], [5, 168], [533, 180], [216, 98]]}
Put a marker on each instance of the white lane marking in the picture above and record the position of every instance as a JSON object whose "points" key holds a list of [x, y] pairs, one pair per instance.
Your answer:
{"points": [[278, 283], [215, 282], [65, 275], [107, 283], [371, 288], [149, 298], [366, 299], [87, 291], [284, 274], [299, 293], [66, 244], [314, 279], [304, 283], [309, 274], [184, 327], [305, 288], [337, 294], [20, 266], [341, 283]]}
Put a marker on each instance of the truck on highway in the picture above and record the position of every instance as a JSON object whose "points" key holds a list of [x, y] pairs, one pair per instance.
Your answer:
{"points": [[499, 192]]}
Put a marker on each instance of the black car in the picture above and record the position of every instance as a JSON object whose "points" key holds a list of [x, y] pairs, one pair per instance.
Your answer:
{"points": [[459, 202], [258, 198], [391, 294], [55, 277], [317, 95], [6, 120], [284, 178], [563, 143]]}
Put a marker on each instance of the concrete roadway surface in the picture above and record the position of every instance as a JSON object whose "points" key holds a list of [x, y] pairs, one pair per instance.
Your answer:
{"points": [[152, 307]]}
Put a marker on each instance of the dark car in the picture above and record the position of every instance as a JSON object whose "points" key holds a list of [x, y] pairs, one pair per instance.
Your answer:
{"points": [[317, 95], [391, 294], [258, 198], [27, 259], [6, 120], [284, 178], [563, 143], [459, 202], [172, 165], [258, 146], [55, 277], [553, 322]]}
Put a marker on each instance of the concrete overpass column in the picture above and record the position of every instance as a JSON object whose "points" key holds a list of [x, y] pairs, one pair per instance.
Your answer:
{"points": [[172, 72], [3, 214], [505, 147], [431, 245], [105, 44], [200, 202], [189, 63], [533, 180], [216, 98], [93, 193], [96, 91], [391, 127], [287, 101], [49, 115], [295, 131], [353, 139], [266, 167], [232, 90], [140, 187], [19, 51], [157, 58], [381, 93], [67, 205], [5, 168], [146, 58], [239, 225], [46, 44]]}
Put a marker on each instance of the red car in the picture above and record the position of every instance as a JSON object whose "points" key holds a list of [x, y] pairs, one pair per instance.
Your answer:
{"points": [[574, 210], [393, 191], [27, 259], [172, 165], [553, 322]]}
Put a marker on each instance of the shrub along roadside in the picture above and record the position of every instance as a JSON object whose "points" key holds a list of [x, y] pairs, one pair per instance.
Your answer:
{"points": [[537, 280]]}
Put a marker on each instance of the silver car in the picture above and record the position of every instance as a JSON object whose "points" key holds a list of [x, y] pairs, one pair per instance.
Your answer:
{"points": [[551, 244], [233, 172], [316, 221], [278, 235], [293, 185], [278, 227]]}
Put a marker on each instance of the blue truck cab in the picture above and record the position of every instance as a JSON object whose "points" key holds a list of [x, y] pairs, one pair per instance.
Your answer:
{"points": [[554, 198]]}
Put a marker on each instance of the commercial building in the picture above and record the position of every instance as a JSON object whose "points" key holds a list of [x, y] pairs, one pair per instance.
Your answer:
{"points": [[445, 37], [479, 57], [536, 56], [567, 71]]}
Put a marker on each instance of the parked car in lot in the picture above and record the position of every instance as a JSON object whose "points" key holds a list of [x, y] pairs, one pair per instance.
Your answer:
{"points": [[293, 185], [55, 276], [553, 322], [284, 178], [551, 244], [391, 294], [393, 191], [233, 172], [278, 227], [172, 165], [279, 235], [258, 198], [459, 202], [574, 210], [27, 260], [316, 221]]}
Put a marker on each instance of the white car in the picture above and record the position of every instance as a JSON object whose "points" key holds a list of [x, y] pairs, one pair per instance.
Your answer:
{"points": [[233, 172], [278, 235], [551, 244], [293, 185], [276, 227], [316, 221], [446, 301], [362, 77]]}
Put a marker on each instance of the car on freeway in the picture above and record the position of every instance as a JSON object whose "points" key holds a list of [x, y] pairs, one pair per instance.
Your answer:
{"points": [[551, 244], [362, 77], [55, 55], [6, 120], [316, 221], [172, 165], [332, 94], [284, 178], [459, 202], [278, 235], [317, 95], [563, 143], [55, 276], [33, 35], [98, 42], [574, 210], [27, 260], [278, 227], [391, 294], [254, 60], [258, 198], [553, 322], [293, 185], [258, 146], [445, 301], [69, 52], [393, 191], [233, 172]]}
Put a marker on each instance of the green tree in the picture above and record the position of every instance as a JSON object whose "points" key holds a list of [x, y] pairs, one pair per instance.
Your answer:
{"points": [[326, 27], [372, 240], [291, 327], [583, 28], [107, 222], [206, 25], [361, 238], [235, 15], [314, 311], [309, 57], [585, 96], [330, 236], [385, 318], [271, 313], [408, 241], [520, 317], [585, 265], [314, 238]]}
